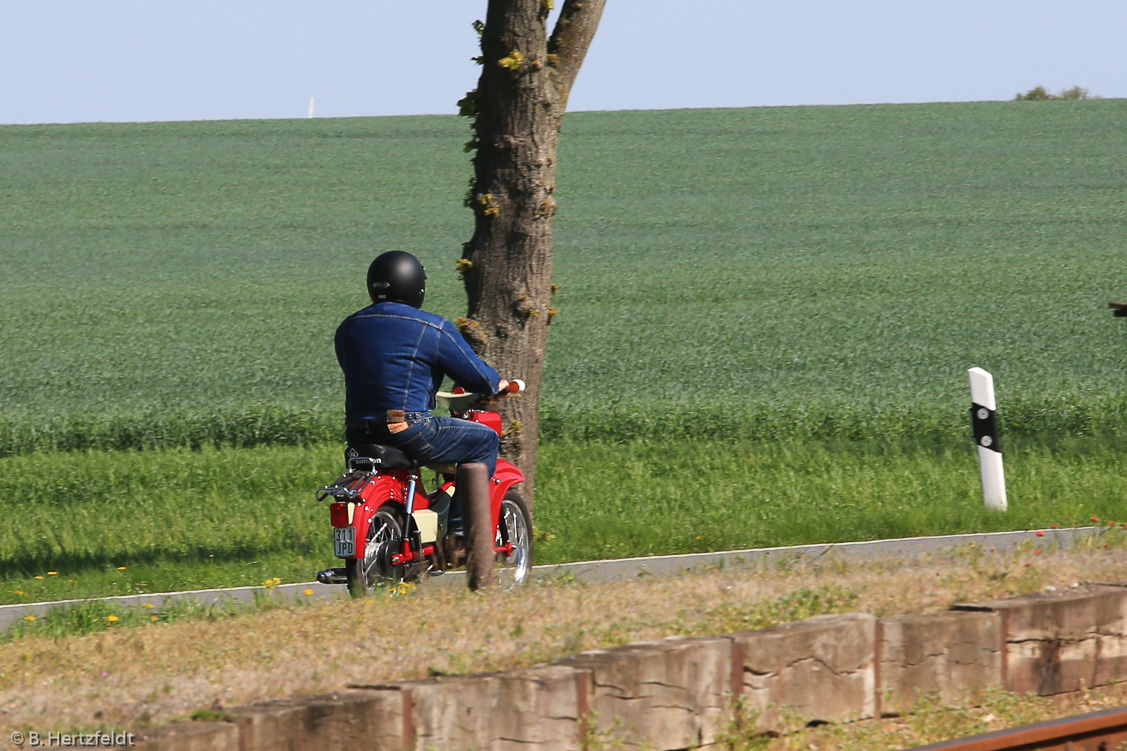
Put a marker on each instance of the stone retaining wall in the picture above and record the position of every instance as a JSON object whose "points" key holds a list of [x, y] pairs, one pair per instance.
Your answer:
{"points": [[681, 693]]}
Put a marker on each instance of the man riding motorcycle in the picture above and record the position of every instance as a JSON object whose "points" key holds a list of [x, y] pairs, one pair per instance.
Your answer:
{"points": [[394, 357]]}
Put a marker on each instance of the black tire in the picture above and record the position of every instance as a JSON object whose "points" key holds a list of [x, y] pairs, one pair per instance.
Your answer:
{"points": [[515, 525], [370, 572]]}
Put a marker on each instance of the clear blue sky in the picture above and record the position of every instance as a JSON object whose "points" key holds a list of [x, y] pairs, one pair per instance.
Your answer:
{"points": [[142, 60]]}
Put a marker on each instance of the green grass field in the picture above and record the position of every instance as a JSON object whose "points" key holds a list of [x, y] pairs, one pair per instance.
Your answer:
{"points": [[794, 293], [821, 271], [96, 523]]}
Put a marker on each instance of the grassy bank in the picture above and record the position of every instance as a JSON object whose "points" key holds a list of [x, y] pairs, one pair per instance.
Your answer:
{"points": [[133, 677], [105, 523], [932, 722]]}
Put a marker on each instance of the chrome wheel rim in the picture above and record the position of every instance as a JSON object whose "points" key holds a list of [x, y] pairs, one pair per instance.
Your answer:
{"points": [[516, 566], [382, 535]]}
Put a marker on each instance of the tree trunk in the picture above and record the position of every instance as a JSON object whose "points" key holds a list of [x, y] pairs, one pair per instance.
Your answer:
{"points": [[507, 265]]}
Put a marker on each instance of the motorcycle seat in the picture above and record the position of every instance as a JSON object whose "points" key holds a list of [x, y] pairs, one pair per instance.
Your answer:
{"points": [[379, 456]]}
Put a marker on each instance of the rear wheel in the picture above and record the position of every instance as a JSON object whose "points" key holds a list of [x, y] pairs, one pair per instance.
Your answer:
{"points": [[514, 526], [374, 569]]}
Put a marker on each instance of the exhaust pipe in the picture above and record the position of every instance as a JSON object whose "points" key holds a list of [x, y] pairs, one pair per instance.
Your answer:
{"points": [[332, 576]]}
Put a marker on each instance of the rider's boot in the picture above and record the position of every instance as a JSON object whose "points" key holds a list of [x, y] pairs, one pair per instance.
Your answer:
{"points": [[455, 551]]}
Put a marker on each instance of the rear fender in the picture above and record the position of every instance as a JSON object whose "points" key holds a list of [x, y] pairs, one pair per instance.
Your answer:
{"points": [[390, 487]]}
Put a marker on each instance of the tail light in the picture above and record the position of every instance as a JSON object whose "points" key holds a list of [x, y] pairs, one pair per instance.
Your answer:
{"points": [[338, 514]]}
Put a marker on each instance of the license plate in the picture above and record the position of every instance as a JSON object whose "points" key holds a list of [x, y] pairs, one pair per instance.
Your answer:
{"points": [[344, 541]]}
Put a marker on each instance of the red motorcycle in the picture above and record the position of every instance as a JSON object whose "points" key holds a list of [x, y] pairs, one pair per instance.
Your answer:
{"points": [[389, 529]]}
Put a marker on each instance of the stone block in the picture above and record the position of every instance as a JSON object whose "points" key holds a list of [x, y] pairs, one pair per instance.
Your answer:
{"points": [[190, 736], [951, 656], [529, 708], [822, 669], [338, 721], [668, 694], [1062, 641]]}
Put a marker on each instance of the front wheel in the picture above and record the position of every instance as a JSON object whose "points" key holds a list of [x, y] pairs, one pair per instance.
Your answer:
{"points": [[514, 526], [373, 570]]}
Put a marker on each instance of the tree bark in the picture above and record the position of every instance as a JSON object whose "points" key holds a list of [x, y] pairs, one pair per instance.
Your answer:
{"points": [[507, 264]]}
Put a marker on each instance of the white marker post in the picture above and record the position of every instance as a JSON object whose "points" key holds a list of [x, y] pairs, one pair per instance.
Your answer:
{"points": [[983, 408]]}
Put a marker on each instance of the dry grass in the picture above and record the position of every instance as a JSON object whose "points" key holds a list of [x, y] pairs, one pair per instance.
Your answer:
{"points": [[135, 677], [931, 723]]}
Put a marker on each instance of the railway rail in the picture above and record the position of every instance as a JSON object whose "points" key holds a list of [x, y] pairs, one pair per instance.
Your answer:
{"points": [[1098, 731]]}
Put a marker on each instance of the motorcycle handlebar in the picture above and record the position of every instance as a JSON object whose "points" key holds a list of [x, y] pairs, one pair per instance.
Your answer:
{"points": [[459, 400]]}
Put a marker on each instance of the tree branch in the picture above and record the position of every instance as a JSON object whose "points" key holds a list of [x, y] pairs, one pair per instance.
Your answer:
{"points": [[572, 36]]}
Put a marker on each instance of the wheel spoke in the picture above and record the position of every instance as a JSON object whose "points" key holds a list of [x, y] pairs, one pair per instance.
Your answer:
{"points": [[369, 572], [514, 529]]}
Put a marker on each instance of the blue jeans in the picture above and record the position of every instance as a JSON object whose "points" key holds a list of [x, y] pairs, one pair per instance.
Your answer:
{"points": [[438, 440]]}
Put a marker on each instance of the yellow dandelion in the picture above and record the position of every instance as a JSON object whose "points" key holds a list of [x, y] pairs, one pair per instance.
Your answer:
{"points": [[39, 577], [147, 605], [52, 573], [29, 618], [154, 618], [111, 618], [121, 568], [271, 583], [16, 591], [308, 592], [73, 581]]}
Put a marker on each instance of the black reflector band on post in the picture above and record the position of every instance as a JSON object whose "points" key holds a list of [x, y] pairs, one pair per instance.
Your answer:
{"points": [[985, 427], [986, 443]]}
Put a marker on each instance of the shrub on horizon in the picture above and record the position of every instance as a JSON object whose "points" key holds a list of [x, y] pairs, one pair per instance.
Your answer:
{"points": [[1041, 94]]}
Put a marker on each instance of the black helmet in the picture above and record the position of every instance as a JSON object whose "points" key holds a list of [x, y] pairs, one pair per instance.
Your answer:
{"points": [[397, 276]]}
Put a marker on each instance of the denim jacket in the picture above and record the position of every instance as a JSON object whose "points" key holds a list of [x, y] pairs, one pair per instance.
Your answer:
{"points": [[394, 357]]}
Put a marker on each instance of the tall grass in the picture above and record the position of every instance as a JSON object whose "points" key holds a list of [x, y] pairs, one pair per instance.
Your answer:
{"points": [[194, 428], [101, 523], [601, 500]]}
